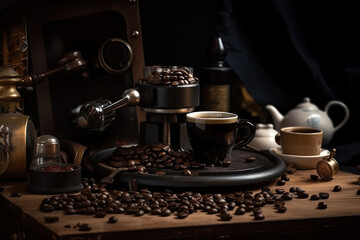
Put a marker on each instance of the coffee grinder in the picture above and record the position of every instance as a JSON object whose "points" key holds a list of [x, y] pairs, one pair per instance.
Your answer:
{"points": [[165, 94]]}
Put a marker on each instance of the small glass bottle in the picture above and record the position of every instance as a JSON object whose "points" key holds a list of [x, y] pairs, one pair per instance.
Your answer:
{"points": [[46, 151]]}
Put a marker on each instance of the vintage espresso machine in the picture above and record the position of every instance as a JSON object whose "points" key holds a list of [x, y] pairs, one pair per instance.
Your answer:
{"points": [[17, 131], [163, 95]]}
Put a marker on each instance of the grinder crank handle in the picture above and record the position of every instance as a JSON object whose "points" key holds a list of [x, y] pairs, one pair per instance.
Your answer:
{"points": [[98, 114], [72, 62]]}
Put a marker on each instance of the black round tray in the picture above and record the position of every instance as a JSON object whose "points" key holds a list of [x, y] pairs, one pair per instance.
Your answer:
{"points": [[266, 167]]}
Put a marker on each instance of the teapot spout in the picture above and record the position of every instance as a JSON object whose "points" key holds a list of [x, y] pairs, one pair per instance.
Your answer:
{"points": [[276, 116]]}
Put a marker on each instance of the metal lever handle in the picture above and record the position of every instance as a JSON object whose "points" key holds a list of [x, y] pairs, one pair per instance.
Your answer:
{"points": [[98, 114], [72, 62]]}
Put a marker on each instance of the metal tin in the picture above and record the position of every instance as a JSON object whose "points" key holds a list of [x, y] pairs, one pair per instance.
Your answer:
{"points": [[327, 168]]}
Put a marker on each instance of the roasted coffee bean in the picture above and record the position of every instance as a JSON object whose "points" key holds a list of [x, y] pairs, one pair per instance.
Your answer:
{"points": [[285, 177], [314, 177], [70, 211], [324, 195], [337, 188], [250, 159], [140, 213], [240, 211], [112, 219], [314, 197], [84, 227], [292, 189], [100, 214], [186, 172], [358, 192], [47, 208], [15, 194], [259, 216], [302, 194], [257, 210], [279, 190], [165, 212], [225, 216], [182, 215], [67, 226], [51, 219], [281, 209], [322, 205], [280, 182], [287, 196]]}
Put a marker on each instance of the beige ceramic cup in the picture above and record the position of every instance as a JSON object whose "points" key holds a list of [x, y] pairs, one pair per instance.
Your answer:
{"points": [[297, 140]]}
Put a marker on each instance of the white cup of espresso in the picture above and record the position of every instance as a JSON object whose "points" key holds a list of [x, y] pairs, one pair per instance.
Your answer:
{"points": [[298, 140]]}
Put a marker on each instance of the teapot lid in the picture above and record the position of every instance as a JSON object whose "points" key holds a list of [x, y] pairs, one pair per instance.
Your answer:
{"points": [[307, 105]]}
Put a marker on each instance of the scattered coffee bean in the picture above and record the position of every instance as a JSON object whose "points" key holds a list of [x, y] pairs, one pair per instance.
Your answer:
{"points": [[337, 188], [2, 188], [279, 190], [358, 192], [100, 214], [182, 215], [257, 210], [281, 209], [324, 195], [250, 159], [302, 194], [186, 172], [240, 211], [15, 194], [314, 177], [67, 226], [84, 227], [287, 196], [51, 219], [314, 197], [285, 177], [165, 212], [225, 216], [259, 216], [140, 213], [281, 182], [322, 205], [112, 219]]}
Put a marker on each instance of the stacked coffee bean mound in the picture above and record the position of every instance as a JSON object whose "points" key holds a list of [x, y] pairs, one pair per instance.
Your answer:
{"points": [[156, 156], [170, 76]]}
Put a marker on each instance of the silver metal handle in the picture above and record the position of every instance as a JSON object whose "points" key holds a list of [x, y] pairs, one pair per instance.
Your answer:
{"points": [[98, 114]]}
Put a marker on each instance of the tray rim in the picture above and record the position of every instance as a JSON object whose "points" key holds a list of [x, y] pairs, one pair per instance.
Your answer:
{"points": [[202, 181]]}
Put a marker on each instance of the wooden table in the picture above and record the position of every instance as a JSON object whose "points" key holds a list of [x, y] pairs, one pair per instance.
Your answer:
{"points": [[21, 217]]}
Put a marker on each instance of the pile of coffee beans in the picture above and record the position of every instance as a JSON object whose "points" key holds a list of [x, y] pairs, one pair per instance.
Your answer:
{"points": [[99, 201], [172, 76], [158, 156]]}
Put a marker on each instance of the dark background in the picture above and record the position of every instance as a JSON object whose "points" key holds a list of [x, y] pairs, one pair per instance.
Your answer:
{"points": [[282, 51]]}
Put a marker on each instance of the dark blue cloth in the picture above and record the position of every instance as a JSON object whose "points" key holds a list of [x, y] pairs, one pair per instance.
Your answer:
{"points": [[285, 50]]}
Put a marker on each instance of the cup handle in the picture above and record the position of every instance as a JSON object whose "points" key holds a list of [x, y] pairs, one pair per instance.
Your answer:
{"points": [[242, 141]]}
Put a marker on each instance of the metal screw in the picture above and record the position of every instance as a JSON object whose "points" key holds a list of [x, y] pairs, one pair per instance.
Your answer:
{"points": [[135, 33]]}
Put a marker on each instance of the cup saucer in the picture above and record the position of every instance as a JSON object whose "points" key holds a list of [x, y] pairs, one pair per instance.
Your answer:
{"points": [[301, 162]]}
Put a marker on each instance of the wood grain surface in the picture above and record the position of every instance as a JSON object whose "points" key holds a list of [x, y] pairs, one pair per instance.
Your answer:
{"points": [[302, 215]]}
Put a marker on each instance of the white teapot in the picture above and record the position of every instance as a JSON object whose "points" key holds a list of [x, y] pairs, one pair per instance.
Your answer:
{"points": [[308, 114], [264, 138]]}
